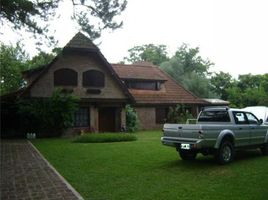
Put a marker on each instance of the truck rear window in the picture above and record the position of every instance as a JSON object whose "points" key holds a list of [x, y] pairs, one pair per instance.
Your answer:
{"points": [[214, 116]]}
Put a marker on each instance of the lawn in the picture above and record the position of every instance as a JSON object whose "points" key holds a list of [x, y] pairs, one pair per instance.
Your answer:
{"points": [[145, 169]]}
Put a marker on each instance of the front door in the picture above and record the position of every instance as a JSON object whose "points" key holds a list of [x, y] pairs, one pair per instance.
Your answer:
{"points": [[107, 119]]}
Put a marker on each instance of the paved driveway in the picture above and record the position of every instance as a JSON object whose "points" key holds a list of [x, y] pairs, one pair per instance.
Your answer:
{"points": [[25, 174]]}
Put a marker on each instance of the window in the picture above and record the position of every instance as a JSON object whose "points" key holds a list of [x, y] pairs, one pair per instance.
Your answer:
{"points": [[214, 116], [93, 78], [252, 119], [144, 85], [240, 118], [65, 77], [161, 115], [81, 117]]}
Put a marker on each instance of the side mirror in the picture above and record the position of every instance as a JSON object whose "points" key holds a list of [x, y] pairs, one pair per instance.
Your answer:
{"points": [[260, 121]]}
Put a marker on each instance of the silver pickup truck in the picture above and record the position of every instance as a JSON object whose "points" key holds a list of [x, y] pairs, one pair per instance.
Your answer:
{"points": [[219, 131]]}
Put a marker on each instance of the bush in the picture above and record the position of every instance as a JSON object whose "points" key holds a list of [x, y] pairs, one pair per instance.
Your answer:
{"points": [[132, 121], [48, 117], [178, 114], [104, 137]]}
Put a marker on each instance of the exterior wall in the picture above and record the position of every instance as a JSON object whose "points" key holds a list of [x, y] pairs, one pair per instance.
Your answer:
{"points": [[80, 63], [147, 119]]}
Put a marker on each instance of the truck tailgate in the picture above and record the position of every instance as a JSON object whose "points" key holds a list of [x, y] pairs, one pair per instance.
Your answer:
{"points": [[182, 131]]}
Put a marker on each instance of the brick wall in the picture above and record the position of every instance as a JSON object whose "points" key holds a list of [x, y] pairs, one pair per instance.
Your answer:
{"points": [[146, 117]]}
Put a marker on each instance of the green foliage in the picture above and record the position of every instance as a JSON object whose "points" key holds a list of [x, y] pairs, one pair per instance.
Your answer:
{"points": [[132, 121], [91, 16], [249, 90], [104, 137], [220, 82], [52, 115], [43, 58], [155, 54], [190, 69], [13, 61], [178, 114]]}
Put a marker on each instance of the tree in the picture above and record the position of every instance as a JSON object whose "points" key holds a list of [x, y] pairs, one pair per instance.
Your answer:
{"points": [[249, 90], [43, 58], [91, 16], [149, 52], [13, 61], [220, 82], [190, 69]]}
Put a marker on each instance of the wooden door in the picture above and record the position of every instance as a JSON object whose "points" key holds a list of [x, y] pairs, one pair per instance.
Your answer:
{"points": [[107, 119]]}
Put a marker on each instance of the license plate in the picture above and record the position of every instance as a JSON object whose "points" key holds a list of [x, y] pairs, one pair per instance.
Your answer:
{"points": [[185, 146]]}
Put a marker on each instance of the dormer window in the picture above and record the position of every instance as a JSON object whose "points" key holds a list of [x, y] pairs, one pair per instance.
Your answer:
{"points": [[65, 77], [143, 85], [93, 78]]}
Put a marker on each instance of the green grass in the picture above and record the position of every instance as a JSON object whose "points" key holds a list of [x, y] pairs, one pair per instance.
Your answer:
{"points": [[105, 137], [145, 169]]}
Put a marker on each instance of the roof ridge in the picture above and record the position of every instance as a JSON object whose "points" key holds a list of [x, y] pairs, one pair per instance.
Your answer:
{"points": [[135, 65]]}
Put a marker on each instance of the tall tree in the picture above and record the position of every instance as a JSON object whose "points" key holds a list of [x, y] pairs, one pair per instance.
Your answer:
{"points": [[13, 61], [91, 16], [220, 82], [249, 90], [148, 52], [190, 69]]}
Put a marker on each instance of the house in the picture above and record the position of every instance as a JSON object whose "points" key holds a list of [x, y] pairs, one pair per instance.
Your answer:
{"points": [[105, 89], [154, 91]]}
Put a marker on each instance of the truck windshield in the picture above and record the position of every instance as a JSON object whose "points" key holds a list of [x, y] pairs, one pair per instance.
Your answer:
{"points": [[214, 116]]}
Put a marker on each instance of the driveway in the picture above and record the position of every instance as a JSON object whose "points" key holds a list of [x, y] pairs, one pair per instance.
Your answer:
{"points": [[25, 174]]}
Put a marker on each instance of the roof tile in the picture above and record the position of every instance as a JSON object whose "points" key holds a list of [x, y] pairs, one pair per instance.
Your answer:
{"points": [[170, 93]]}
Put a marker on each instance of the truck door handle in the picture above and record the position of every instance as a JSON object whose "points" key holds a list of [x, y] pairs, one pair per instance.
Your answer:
{"points": [[179, 127], [240, 128]]}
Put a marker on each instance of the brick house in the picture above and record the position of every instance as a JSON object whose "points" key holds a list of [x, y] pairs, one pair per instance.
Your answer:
{"points": [[105, 89]]}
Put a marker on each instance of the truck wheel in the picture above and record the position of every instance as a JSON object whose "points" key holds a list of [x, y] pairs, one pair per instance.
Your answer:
{"points": [[187, 155], [264, 149], [225, 153]]}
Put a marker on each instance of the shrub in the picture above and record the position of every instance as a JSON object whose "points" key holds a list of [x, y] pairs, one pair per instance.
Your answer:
{"points": [[50, 116], [178, 114], [104, 137], [132, 121]]}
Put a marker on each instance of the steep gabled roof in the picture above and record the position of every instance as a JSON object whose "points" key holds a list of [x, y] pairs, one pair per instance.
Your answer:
{"points": [[171, 93], [79, 43]]}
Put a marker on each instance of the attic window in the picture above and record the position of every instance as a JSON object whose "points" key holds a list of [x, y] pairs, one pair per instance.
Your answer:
{"points": [[65, 77], [93, 78], [144, 85]]}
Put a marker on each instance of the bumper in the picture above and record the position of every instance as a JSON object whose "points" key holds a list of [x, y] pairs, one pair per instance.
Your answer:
{"points": [[176, 142]]}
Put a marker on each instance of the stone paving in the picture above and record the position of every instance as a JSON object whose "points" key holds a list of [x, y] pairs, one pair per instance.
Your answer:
{"points": [[26, 175]]}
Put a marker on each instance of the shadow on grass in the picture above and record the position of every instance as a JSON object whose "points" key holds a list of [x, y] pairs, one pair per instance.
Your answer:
{"points": [[202, 162]]}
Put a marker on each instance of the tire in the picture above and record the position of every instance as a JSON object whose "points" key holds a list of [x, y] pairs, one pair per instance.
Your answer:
{"points": [[264, 149], [225, 153], [187, 155]]}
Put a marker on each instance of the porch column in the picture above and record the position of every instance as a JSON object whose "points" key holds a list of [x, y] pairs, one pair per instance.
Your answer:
{"points": [[94, 118], [123, 118]]}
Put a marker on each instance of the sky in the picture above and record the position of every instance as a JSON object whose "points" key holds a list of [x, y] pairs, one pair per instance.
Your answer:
{"points": [[233, 34]]}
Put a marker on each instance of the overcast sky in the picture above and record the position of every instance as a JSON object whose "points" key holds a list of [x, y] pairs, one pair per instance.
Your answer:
{"points": [[231, 33]]}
